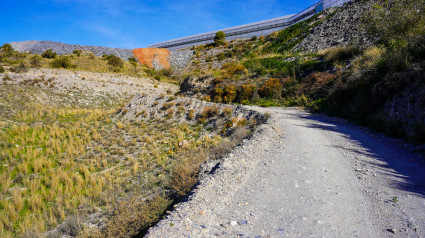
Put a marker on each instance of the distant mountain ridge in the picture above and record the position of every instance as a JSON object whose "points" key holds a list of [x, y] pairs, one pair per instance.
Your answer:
{"points": [[38, 47]]}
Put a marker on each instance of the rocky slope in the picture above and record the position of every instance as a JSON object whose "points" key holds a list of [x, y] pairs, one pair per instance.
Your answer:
{"points": [[187, 110], [342, 29]]}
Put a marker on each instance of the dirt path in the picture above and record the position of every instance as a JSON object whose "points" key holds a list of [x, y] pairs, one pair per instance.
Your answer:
{"points": [[305, 175]]}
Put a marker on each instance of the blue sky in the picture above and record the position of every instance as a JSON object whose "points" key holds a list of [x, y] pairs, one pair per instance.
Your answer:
{"points": [[130, 23]]}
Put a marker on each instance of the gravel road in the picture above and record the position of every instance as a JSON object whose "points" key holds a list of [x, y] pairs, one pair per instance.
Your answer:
{"points": [[306, 175]]}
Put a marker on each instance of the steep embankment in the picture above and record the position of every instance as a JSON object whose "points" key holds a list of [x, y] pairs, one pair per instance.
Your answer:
{"points": [[342, 29]]}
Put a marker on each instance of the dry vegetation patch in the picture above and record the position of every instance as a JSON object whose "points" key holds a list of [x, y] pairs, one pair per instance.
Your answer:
{"points": [[86, 167]]}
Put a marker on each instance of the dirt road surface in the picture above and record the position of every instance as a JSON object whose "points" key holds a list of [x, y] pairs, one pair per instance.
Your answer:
{"points": [[306, 175]]}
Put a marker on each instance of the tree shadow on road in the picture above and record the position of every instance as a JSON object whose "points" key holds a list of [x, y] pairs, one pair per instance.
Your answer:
{"points": [[390, 156]]}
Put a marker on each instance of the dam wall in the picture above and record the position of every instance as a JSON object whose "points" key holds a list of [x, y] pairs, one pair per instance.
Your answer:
{"points": [[249, 30]]}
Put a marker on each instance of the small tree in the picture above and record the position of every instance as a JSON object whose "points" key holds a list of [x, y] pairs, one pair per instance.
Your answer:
{"points": [[62, 62], [7, 49], [220, 38], [49, 54]]}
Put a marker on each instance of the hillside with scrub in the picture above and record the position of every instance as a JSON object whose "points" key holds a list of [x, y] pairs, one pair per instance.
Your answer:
{"points": [[102, 146], [363, 61], [98, 146]]}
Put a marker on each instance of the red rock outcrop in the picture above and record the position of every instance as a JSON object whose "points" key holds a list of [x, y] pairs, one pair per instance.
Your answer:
{"points": [[152, 56]]}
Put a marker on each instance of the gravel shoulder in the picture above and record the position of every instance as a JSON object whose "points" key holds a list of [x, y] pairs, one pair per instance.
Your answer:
{"points": [[306, 175]]}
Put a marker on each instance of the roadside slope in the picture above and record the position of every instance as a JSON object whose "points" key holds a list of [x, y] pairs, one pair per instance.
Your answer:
{"points": [[305, 175]]}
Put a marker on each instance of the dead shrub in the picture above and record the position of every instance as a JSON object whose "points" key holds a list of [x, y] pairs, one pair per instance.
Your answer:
{"points": [[168, 105], [246, 92], [72, 226], [271, 88], [227, 112], [209, 112], [191, 114], [183, 176], [21, 68], [314, 85], [222, 149], [170, 113], [133, 215], [238, 134], [233, 68]]}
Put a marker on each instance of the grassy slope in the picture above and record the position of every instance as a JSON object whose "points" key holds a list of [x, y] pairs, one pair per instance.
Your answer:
{"points": [[61, 163]]}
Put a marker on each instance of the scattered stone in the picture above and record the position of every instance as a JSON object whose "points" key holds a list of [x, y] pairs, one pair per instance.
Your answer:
{"points": [[243, 222], [233, 223]]}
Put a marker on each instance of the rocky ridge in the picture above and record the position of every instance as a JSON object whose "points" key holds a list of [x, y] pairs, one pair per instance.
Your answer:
{"points": [[38, 47]]}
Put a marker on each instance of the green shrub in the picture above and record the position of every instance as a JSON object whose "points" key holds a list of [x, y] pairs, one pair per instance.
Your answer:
{"points": [[221, 56], [276, 66], [133, 59], [62, 62], [396, 22], [77, 52], [7, 49], [283, 41], [35, 61], [394, 61], [2, 70], [115, 61], [49, 54], [220, 38]]}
